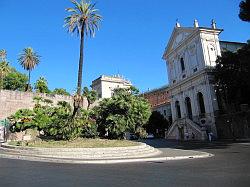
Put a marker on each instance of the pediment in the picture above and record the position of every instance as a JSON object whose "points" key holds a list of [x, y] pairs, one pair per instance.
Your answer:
{"points": [[178, 35]]}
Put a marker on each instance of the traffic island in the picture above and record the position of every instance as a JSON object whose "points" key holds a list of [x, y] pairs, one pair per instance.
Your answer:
{"points": [[140, 152]]}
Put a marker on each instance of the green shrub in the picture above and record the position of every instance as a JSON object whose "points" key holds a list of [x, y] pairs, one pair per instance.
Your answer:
{"points": [[56, 122], [21, 120], [126, 111]]}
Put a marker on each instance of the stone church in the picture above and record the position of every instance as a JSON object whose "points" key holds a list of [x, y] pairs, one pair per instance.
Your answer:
{"points": [[190, 56]]}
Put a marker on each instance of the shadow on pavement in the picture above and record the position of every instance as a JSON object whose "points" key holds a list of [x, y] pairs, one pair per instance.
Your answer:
{"points": [[191, 145]]}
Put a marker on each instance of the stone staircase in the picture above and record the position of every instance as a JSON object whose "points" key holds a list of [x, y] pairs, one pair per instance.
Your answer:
{"points": [[185, 123]]}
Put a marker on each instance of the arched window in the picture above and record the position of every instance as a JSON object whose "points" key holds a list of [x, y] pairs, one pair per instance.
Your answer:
{"points": [[188, 107], [201, 103], [182, 64], [178, 109]]}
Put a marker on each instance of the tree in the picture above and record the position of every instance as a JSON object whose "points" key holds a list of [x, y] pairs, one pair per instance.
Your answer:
{"points": [[157, 121], [15, 80], [60, 91], [245, 10], [125, 111], [4, 71], [91, 96], [3, 54], [41, 85], [29, 60], [4, 67], [83, 19], [232, 77]]}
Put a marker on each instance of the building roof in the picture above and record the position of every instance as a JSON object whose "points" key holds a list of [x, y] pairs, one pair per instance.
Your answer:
{"points": [[156, 89], [232, 42], [231, 46], [114, 78]]}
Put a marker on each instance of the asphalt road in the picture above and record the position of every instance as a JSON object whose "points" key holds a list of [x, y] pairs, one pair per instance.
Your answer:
{"points": [[229, 167]]}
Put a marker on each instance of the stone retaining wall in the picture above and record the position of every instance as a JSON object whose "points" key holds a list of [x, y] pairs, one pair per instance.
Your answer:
{"points": [[11, 101]]}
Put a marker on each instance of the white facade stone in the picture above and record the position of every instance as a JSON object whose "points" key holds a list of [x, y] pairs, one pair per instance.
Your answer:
{"points": [[105, 85]]}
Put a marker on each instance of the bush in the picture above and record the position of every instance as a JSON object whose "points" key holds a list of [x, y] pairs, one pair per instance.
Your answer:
{"points": [[56, 122], [21, 120], [126, 111]]}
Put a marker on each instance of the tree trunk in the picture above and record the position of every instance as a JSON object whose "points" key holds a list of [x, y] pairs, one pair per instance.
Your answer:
{"points": [[88, 105], [79, 82], [28, 85], [77, 99]]}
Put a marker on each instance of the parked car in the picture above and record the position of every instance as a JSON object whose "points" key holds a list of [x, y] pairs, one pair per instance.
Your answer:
{"points": [[150, 136]]}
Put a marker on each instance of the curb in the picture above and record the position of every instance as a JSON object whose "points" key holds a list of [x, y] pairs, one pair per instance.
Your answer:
{"points": [[108, 161]]}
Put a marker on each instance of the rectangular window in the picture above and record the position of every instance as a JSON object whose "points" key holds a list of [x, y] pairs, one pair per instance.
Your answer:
{"points": [[182, 64]]}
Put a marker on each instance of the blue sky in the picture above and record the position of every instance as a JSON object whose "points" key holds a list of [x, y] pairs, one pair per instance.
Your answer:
{"points": [[131, 40]]}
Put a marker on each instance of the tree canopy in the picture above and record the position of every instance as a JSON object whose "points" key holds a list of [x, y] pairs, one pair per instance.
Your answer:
{"points": [[245, 10], [60, 91], [41, 85], [15, 80], [232, 76], [157, 122]]}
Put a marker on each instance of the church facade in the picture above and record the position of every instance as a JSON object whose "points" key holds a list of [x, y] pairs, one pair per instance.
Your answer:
{"points": [[190, 56]]}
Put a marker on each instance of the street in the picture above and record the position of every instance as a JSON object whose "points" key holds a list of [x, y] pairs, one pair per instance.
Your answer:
{"points": [[229, 167]]}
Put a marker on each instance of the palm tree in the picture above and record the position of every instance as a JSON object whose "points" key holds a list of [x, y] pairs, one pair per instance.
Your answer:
{"points": [[29, 60], [91, 96], [4, 70], [3, 54], [41, 85], [4, 66], [84, 20]]}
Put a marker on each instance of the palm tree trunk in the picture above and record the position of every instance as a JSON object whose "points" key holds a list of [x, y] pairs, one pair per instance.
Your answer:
{"points": [[28, 85], [88, 105], [29, 78], [79, 82], [1, 79], [77, 101]]}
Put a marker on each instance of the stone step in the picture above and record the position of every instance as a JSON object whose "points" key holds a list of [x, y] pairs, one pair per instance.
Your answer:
{"points": [[81, 153], [83, 150], [142, 145], [142, 150]]}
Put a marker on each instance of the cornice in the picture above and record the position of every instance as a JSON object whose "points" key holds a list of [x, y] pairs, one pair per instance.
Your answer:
{"points": [[207, 71]]}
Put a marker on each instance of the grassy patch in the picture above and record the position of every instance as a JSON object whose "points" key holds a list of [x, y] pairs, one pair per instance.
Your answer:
{"points": [[79, 143]]}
